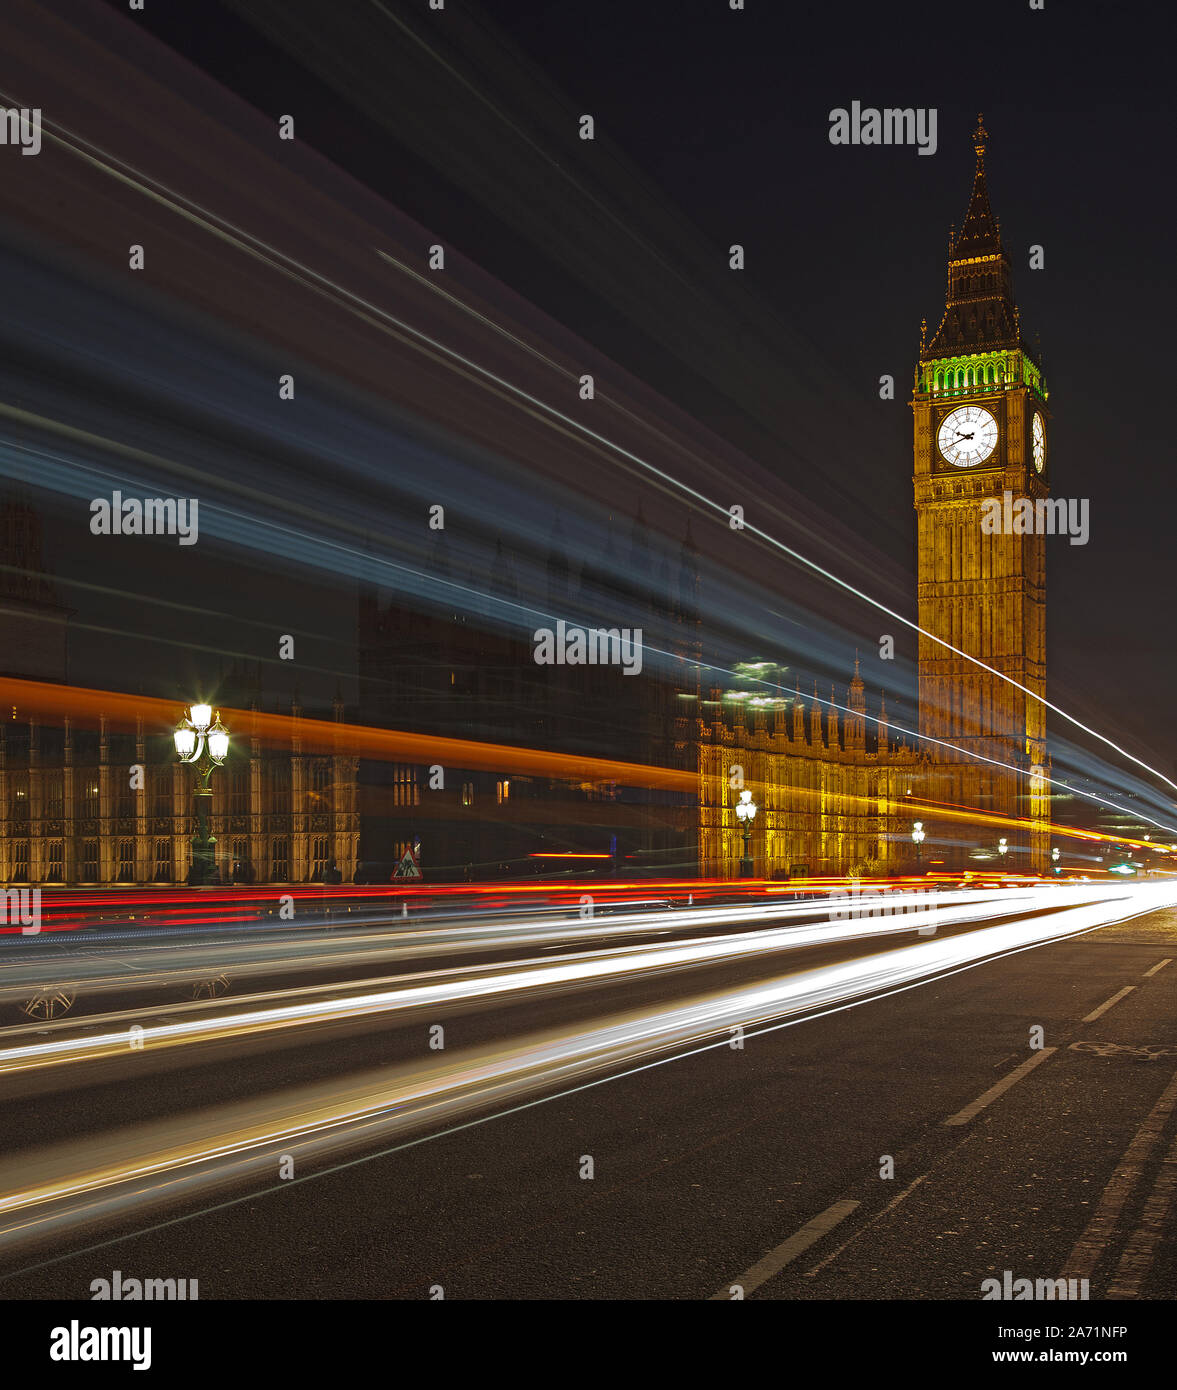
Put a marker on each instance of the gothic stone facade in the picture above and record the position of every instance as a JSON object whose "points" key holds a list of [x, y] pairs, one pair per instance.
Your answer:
{"points": [[71, 814], [829, 801]]}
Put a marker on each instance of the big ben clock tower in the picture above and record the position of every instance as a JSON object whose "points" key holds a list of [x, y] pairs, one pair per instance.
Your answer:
{"points": [[982, 429]]}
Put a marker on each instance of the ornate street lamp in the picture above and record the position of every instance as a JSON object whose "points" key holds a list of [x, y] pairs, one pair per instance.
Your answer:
{"points": [[1003, 847], [917, 838], [1054, 854], [202, 739], [746, 811]]}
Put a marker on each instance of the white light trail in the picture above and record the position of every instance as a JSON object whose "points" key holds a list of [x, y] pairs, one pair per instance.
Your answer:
{"points": [[91, 1040], [127, 1172], [259, 249]]}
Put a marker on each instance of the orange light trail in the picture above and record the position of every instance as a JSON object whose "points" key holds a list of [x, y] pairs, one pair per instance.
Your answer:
{"points": [[44, 699]]}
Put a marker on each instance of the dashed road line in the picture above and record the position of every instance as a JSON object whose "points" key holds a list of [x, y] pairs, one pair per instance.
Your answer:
{"points": [[866, 1225], [1102, 1226], [962, 1117], [1137, 1257], [788, 1250], [891, 1205], [1107, 1003]]}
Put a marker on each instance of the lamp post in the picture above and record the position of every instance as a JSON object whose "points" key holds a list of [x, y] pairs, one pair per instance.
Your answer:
{"points": [[1054, 854], [917, 838], [746, 811], [203, 740], [1003, 847]]}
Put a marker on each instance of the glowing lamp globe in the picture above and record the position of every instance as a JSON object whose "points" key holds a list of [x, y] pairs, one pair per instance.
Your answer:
{"points": [[218, 741]]}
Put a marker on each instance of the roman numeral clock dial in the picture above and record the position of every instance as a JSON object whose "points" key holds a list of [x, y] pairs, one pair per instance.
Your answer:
{"points": [[968, 436]]}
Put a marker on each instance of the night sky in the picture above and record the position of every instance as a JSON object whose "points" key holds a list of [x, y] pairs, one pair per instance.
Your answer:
{"points": [[712, 128]]}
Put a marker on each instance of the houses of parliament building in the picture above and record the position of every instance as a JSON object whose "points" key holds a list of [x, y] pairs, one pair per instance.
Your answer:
{"points": [[835, 803], [835, 790]]}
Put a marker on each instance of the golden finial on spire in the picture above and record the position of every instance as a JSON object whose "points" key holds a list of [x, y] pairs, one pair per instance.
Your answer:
{"points": [[980, 135]]}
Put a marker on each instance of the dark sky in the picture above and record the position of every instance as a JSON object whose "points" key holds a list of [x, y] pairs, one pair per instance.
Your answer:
{"points": [[711, 129], [728, 112]]}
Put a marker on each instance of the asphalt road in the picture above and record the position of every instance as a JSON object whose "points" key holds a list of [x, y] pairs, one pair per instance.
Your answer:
{"points": [[758, 1170]]}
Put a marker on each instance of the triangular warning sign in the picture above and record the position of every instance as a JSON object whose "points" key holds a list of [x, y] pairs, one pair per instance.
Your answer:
{"points": [[408, 867]]}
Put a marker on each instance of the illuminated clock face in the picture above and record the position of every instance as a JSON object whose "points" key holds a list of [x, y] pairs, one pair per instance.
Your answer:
{"points": [[1039, 429], [968, 436]]}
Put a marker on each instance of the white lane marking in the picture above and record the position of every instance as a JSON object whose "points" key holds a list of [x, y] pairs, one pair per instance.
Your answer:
{"points": [[1100, 1229], [788, 1250], [1107, 1004], [962, 1117], [1137, 1257], [1160, 965], [866, 1225], [449, 1130]]}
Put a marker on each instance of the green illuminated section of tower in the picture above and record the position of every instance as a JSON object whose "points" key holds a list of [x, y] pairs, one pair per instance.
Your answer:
{"points": [[995, 371]]}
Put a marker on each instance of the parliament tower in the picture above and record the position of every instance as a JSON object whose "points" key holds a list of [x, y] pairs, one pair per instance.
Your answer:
{"points": [[981, 430]]}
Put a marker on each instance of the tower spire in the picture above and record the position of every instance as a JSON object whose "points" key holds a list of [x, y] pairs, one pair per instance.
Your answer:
{"points": [[855, 726], [979, 314], [980, 234]]}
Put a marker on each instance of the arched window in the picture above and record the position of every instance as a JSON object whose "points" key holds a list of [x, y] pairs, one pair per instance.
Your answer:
{"points": [[239, 792], [280, 860], [161, 785]]}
